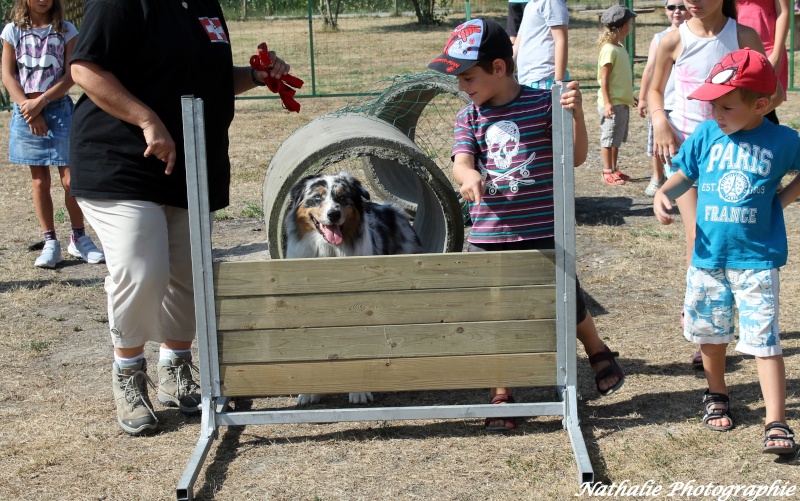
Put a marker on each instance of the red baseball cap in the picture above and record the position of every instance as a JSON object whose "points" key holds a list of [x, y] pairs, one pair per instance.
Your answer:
{"points": [[741, 69]]}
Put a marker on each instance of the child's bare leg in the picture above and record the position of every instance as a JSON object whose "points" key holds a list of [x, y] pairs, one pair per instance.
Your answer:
{"points": [[607, 156], [687, 206], [772, 378], [586, 332], [74, 211], [42, 201], [658, 168], [714, 365], [614, 157]]}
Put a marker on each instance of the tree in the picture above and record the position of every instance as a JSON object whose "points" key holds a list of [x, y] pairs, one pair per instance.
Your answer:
{"points": [[425, 11], [331, 17]]}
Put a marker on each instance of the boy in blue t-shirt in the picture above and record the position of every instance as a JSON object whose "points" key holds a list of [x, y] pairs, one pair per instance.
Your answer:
{"points": [[503, 160], [738, 160]]}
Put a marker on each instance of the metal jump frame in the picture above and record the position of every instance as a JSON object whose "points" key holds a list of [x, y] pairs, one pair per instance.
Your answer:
{"points": [[214, 406]]}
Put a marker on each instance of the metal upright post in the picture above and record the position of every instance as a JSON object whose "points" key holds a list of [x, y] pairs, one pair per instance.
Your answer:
{"points": [[205, 314], [564, 204]]}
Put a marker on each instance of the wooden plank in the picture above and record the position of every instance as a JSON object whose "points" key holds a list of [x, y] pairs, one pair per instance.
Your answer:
{"points": [[389, 341], [402, 374], [377, 273], [394, 307]]}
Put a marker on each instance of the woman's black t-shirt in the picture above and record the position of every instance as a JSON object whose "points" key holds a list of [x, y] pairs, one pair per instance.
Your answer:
{"points": [[160, 50]]}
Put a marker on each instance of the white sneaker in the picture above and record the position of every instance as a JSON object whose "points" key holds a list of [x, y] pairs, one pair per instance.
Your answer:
{"points": [[50, 256], [85, 249], [653, 187]]}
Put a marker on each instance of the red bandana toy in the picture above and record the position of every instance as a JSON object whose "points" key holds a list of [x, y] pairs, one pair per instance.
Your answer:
{"points": [[262, 62]]}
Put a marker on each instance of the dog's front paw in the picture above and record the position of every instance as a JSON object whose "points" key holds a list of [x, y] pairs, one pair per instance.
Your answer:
{"points": [[308, 398], [360, 398]]}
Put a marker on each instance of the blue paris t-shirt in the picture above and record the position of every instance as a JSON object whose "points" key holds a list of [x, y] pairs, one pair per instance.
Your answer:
{"points": [[739, 216]]}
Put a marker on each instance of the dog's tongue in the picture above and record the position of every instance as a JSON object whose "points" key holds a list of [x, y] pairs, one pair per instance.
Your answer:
{"points": [[332, 233]]}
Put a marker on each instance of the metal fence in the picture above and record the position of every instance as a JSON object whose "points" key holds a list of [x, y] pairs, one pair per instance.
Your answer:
{"points": [[376, 40]]}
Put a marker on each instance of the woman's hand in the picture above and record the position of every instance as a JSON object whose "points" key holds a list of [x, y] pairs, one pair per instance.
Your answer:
{"points": [[159, 143]]}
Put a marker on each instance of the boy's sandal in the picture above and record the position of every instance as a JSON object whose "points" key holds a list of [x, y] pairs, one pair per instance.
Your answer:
{"points": [[502, 398], [621, 175], [610, 178], [788, 436], [717, 406], [613, 369]]}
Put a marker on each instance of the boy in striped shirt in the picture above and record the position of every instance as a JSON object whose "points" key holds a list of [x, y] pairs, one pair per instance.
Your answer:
{"points": [[503, 160]]}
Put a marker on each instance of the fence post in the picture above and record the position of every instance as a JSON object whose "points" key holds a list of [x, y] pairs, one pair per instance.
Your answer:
{"points": [[630, 40], [311, 48], [791, 51]]}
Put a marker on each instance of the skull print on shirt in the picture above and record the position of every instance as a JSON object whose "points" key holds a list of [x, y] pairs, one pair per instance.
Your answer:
{"points": [[502, 139]]}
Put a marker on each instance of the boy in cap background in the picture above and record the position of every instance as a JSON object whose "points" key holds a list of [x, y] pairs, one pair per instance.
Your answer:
{"points": [[503, 160], [738, 160], [615, 96]]}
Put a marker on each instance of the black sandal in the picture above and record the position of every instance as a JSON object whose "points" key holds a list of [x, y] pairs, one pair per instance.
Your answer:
{"points": [[788, 436], [712, 402], [610, 370]]}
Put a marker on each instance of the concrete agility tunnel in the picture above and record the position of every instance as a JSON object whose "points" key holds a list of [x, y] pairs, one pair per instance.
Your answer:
{"points": [[333, 138]]}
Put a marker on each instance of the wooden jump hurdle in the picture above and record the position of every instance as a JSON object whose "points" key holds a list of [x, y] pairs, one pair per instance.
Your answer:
{"points": [[388, 323]]}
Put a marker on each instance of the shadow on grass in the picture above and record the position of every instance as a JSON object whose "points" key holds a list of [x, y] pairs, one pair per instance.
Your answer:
{"points": [[610, 211], [227, 450], [12, 285], [241, 250]]}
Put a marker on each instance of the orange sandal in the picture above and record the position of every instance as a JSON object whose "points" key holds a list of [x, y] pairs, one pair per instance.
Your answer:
{"points": [[621, 175], [611, 177]]}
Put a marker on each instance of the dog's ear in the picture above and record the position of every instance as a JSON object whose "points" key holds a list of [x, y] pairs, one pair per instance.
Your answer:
{"points": [[363, 191], [296, 193]]}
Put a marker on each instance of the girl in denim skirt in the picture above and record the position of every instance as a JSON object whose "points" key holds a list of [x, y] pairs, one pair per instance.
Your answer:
{"points": [[37, 45]]}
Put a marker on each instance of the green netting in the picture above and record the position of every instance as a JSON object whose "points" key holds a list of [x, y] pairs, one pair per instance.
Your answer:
{"points": [[422, 105]]}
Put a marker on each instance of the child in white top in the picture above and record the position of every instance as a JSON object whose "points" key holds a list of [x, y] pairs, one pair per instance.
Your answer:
{"points": [[37, 45], [677, 13], [540, 47]]}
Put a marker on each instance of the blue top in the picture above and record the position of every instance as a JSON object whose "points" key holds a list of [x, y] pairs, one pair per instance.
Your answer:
{"points": [[739, 215]]}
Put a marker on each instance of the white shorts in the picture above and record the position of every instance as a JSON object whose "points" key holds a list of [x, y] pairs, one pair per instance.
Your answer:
{"points": [[711, 295], [148, 255]]}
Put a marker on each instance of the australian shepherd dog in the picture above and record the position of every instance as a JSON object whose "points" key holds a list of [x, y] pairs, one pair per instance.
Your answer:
{"points": [[331, 216]]}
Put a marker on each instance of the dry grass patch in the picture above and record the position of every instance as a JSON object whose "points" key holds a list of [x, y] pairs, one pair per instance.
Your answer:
{"points": [[59, 439]]}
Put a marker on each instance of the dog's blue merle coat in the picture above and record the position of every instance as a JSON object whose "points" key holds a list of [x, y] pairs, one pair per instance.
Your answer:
{"points": [[331, 215]]}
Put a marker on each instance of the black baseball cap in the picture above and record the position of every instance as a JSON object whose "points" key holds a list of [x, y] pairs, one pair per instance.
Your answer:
{"points": [[476, 40]]}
